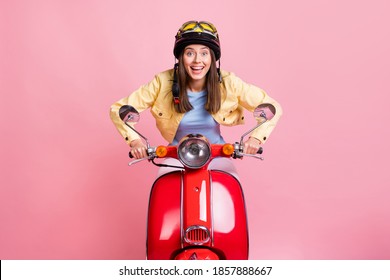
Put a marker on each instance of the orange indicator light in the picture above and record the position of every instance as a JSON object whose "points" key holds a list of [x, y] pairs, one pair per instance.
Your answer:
{"points": [[161, 151], [227, 149]]}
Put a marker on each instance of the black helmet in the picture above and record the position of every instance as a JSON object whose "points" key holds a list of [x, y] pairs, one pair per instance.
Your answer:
{"points": [[197, 32]]}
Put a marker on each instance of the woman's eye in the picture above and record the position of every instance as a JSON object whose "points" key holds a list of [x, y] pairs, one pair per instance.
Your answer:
{"points": [[205, 53], [189, 54]]}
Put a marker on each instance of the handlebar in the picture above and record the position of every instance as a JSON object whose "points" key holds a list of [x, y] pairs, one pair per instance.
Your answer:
{"points": [[216, 150], [130, 115]]}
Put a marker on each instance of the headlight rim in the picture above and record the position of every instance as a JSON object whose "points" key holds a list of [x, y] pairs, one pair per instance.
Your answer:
{"points": [[181, 154]]}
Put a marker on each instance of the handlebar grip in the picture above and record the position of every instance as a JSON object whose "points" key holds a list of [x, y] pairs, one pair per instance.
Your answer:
{"points": [[260, 151]]}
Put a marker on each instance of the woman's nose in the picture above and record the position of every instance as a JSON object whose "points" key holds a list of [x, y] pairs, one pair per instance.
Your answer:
{"points": [[198, 58]]}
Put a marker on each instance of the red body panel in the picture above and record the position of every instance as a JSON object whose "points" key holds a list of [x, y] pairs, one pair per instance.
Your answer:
{"points": [[219, 206], [229, 217], [197, 200], [164, 231]]}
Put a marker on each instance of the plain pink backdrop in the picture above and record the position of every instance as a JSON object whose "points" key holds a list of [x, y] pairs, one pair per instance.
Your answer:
{"points": [[66, 191]]}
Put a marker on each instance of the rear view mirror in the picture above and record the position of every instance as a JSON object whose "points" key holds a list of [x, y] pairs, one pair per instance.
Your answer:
{"points": [[264, 111], [128, 114]]}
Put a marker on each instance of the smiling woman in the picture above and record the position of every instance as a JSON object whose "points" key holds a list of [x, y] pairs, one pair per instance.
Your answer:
{"points": [[197, 61]]}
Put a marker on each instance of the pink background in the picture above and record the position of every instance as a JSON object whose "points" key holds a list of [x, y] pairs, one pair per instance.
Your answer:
{"points": [[66, 191]]}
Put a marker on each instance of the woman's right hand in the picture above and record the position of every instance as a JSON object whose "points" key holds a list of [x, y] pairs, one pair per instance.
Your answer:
{"points": [[138, 149]]}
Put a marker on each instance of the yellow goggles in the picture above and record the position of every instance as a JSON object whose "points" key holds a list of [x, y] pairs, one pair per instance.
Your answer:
{"points": [[197, 26]]}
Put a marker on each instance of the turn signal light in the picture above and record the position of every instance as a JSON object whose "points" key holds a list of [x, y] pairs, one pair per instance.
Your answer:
{"points": [[161, 151], [227, 149]]}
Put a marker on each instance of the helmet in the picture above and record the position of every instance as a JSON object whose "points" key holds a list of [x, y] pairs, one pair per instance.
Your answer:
{"points": [[197, 32]]}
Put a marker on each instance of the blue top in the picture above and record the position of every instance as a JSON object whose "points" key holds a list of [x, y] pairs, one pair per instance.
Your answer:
{"points": [[199, 121]]}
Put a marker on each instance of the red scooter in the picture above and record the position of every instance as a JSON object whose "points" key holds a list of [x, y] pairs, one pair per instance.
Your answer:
{"points": [[196, 213]]}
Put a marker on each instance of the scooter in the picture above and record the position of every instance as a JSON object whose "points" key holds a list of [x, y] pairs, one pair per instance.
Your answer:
{"points": [[195, 213]]}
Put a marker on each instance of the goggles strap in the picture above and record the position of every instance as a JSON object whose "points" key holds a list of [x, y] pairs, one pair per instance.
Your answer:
{"points": [[175, 85]]}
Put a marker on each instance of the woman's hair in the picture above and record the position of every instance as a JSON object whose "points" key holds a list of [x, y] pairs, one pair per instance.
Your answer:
{"points": [[213, 103]]}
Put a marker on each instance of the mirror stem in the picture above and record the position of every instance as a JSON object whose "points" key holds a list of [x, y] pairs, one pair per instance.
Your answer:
{"points": [[143, 137], [246, 133]]}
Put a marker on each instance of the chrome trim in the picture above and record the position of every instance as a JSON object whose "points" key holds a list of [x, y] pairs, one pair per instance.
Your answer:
{"points": [[182, 208], [185, 139], [211, 207], [197, 227]]}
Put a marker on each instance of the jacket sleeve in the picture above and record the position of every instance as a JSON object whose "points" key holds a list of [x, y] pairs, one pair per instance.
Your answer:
{"points": [[250, 97], [141, 99]]}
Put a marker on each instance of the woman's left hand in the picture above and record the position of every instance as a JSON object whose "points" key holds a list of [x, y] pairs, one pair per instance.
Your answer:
{"points": [[251, 146]]}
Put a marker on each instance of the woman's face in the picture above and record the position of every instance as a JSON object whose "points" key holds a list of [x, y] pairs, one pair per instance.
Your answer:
{"points": [[197, 61]]}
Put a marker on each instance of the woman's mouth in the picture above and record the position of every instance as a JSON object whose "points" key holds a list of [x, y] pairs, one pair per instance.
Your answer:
{"points": [[197, 69]]}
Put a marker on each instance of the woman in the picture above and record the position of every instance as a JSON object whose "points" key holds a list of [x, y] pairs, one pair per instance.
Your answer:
{"points": [[196, 96]]}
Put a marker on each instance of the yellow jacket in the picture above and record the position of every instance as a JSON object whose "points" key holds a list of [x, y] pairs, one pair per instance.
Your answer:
{"points": [[157, 95]]}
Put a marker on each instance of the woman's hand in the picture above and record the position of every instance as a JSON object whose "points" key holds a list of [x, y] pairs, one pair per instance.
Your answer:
{"points": [[251, 146], [138, 149]]}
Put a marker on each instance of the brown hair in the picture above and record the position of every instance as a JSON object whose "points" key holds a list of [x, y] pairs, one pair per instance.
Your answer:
{"points": [[213, 103]]}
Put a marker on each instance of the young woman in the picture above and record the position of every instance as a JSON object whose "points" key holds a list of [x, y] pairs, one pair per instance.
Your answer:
{"points": [[196, 96]]}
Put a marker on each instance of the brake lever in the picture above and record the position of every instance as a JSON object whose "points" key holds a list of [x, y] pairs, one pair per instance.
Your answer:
{"points": [[254, 156], [137, 161]]}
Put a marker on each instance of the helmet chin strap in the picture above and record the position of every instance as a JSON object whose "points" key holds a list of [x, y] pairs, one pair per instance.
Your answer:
{"points": [[175, 85], [219, 71]]}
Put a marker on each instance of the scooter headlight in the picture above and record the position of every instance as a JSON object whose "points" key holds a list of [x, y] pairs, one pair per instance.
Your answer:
{"points": [[194, 151]]}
